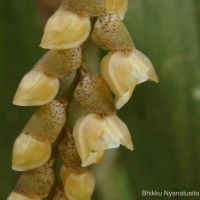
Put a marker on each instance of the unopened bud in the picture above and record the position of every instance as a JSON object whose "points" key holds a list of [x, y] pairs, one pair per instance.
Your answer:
{"points": [[86, 7], [110, 33], [36, 88], [78, 186], [47, 122], [118, 7], [29, 153], [65, 30], [36, 183], [93, 94], [60, 63], [122, 71]]}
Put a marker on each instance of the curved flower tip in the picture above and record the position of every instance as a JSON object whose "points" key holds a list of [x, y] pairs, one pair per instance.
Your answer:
{"points": [[78, 185], [122, 71], [29, 153], [94, 134], [65, 30], [36, 88], [118, 7], [16, 196]]}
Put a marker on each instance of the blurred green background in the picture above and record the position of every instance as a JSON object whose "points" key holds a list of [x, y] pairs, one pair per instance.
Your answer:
{"points": [[163, 118]]}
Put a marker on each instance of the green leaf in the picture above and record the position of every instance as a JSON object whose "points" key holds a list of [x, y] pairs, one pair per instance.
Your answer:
{"points": [[164, 118], [19, 39]]}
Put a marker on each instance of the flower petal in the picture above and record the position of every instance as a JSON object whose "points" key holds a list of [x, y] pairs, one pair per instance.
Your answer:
{"points": [[122, 71], [142, 67], [29, 153], [118, 131], [78, 185], [90, 138], [116, 70], [36, 88], [65, 30], [122, 100], [16, 196]]}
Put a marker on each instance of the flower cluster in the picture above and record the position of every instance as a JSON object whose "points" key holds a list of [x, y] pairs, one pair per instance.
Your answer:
{"points": [[48, 135]]}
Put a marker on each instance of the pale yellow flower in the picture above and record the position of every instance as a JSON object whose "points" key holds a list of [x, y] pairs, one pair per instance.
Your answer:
{"points": [[29, 153], [65, 30], [36, 88], [94, 134], [78, 185], [123, 70], [16, 196]]}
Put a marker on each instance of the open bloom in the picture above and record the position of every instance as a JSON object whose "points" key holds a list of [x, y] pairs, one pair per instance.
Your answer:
{"points": [[123, 70], [93, 134]]}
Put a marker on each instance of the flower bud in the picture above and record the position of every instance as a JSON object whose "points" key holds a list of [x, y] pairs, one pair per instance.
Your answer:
{"points": [[118, 7], [122, 71], [93, 94], [36, 183], [47, 122], [86, 7], [78, 185], [16, 196], [93, 134], [60, 63], [68, 151], [59, 194], [110, 33], [29, 153], [65, 30], [36, 88]]}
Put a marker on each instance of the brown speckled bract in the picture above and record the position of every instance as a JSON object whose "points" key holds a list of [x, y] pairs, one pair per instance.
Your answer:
{"points": [[86, 7], [93, 94], [38, 182], [68, 152], [47, 122], [110, 33]]}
